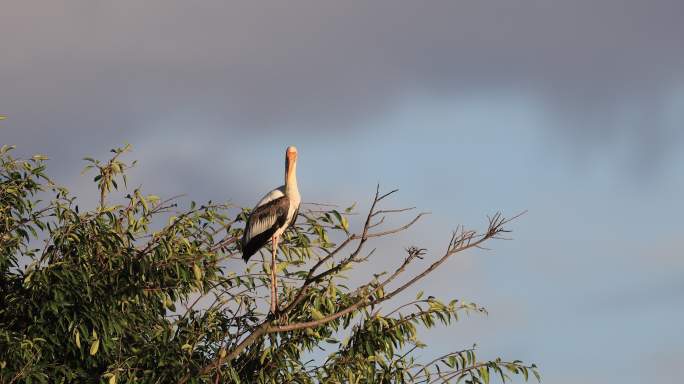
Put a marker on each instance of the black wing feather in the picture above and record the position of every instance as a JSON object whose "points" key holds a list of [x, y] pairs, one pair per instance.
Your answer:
{"points": [[252, 240]]}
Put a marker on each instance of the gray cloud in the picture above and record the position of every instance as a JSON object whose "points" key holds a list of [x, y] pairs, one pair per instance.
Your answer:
{"points": [[97, 71]]}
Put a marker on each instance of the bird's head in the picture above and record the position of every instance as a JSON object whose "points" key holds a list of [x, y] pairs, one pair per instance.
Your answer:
{"points": [[290, 162], [291, 153]]}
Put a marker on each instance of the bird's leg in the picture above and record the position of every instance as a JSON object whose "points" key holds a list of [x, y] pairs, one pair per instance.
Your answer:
{"points": [[274, 282]]}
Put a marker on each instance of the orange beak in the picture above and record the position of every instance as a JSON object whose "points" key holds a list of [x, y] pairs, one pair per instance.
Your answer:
{"points": [[290, 160]]}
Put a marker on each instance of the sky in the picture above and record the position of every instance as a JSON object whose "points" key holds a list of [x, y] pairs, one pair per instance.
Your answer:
{"points": [[571, 110]]}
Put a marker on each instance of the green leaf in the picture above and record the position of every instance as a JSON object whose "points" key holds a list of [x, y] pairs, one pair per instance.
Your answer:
{"points": [[142, 200], [316, 314], [345, 224], [280, 267], [350, 209], [94, 347], [264, 354], [484, 374], [197, 272]]}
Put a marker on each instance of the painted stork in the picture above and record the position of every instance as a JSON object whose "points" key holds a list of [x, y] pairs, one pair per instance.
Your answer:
{"points": [[272, 215]]}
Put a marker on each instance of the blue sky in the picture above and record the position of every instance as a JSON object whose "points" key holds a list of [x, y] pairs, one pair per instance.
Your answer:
{"points": [[571, 111]]}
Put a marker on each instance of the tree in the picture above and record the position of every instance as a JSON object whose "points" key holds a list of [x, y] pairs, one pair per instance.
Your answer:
{"points": [[140, 290]]}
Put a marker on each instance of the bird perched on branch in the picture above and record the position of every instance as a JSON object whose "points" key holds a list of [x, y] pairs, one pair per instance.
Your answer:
{"points": [[272, 215]]}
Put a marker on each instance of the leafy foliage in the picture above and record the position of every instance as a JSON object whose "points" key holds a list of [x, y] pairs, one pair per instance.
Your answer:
{"points": [[140, 290]]}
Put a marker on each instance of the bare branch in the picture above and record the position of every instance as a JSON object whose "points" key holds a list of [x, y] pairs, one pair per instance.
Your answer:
{"points": [[311, 278], [382, 220], [321, 204], [456, 245], [402, 228], [386, 194], [383, 211]]}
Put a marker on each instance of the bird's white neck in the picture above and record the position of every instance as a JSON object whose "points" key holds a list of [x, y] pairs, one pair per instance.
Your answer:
{"points": [[291, 188]]}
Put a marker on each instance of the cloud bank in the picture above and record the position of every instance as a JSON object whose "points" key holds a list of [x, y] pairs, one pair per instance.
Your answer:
{"points": [[86, 68]]}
